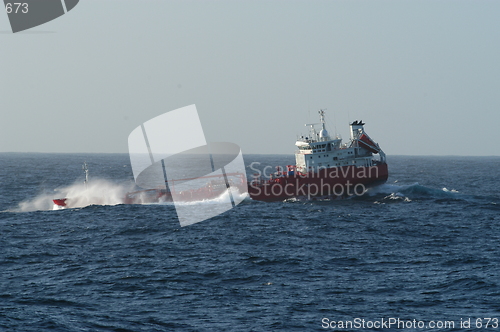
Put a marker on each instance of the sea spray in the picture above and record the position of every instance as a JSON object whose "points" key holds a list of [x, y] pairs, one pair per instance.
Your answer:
{"points": [[78, 195], [101, 192]]}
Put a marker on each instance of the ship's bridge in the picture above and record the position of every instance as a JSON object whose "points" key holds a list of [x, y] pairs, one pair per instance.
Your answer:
{"points": [[307, 146]]}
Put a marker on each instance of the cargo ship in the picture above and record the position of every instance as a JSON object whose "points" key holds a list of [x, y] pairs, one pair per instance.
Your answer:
{"points": [[325, 168]]}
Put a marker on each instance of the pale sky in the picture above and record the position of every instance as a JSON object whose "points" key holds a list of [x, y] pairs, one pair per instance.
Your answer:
{"points": [[423, 75]]}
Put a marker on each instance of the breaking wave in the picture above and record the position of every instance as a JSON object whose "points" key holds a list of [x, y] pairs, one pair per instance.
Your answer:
{"points": [[407, 193]]}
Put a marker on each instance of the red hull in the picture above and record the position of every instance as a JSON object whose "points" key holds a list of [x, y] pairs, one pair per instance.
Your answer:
{"points": [[329, 182], [161, 195], [210, 191], [60, 201]]}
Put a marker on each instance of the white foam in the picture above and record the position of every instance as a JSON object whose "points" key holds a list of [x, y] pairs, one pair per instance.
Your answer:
{"points": [[388, 188], [222, 198], [96, 192], [398, 196]]}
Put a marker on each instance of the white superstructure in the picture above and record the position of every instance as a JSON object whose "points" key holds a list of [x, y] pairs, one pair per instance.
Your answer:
{"points": [[319, 150]]}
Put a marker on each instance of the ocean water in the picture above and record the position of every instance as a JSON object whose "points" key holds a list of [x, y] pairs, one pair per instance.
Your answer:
{"points": [[421, 250]]}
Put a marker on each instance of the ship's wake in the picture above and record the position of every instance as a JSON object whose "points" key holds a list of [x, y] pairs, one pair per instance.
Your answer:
{"points": [[393, 193]]}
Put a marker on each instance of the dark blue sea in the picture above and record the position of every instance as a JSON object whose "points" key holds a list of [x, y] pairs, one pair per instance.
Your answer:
{"points": [[422, 251]]}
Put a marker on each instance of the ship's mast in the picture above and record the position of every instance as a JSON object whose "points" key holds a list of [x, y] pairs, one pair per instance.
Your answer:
{"points": [[322, 118], [86, 171]]}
